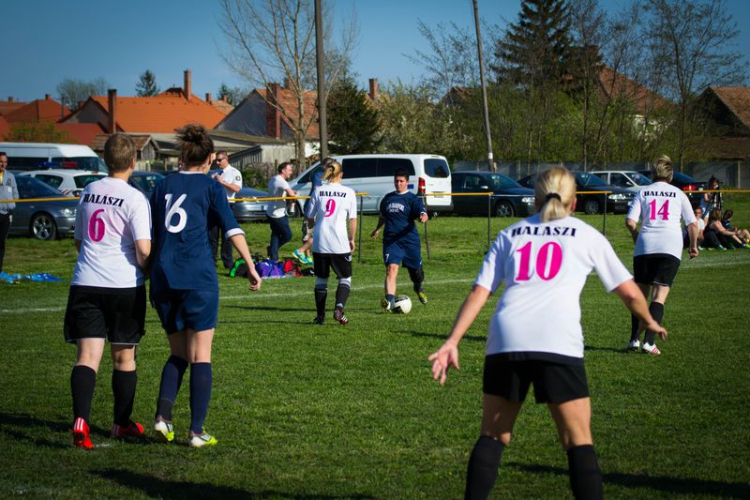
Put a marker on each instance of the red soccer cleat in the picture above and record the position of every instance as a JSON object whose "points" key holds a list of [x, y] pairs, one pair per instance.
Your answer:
{"points": [[133, 429], [81, 437]]}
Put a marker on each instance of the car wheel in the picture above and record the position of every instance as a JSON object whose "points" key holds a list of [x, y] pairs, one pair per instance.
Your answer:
{"points": [[591, 206], [43, 227], [504, 209], [294, 210]]}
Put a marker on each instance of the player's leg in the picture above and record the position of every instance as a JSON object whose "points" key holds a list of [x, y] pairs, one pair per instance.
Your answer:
{"points": [[342, 266], [285, 231], [412, 261], [322, 270], [635, 334], [199, 344], [273, 247], [82, 385], [391, 277], [573, 421], [124, 381], [169, 386], [659, 295], [417, 278]]}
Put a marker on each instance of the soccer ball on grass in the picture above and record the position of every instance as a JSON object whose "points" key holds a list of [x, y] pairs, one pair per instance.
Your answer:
{"points": [[403, 305]]}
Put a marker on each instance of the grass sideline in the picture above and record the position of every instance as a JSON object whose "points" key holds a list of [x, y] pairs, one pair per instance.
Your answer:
{"points": [[351, 412]]}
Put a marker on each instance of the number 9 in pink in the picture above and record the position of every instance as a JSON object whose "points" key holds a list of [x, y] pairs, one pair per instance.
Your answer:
{"points": [[330, 207], [96, 226]]}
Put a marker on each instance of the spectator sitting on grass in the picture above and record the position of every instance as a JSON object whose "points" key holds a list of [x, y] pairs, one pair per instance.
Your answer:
{"points": [[717, 236], [726, 221], [701, 226]]}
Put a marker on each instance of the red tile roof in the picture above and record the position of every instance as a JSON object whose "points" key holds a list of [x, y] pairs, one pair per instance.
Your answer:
{"points": [[38, 110], [81, 133], [4, 127], [288, 101], [8, 106], [160, 114], [737, 99], [618, 85]]}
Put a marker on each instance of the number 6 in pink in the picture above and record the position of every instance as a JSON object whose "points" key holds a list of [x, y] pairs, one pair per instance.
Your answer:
{"points": [[96, 226]]}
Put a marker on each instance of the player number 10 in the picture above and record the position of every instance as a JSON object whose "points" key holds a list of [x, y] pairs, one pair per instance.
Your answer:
{"points": [[548, 261]]}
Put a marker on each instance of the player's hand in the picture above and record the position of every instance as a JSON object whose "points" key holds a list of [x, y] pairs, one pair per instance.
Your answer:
{"points": [[693, 252], [374, 234], [655, 327], [255, 282], [352, 245], [423, 217], [442, 360]]}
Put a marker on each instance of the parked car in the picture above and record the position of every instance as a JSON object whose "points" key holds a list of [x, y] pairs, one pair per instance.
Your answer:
{"points": [[69, 182], [36, 155], [145, 181], [248, 211], [618, 201], [689, 185], [44, 220], [626, 179], [509, 198]]}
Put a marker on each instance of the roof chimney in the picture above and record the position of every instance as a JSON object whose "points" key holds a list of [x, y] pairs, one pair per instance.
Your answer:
{"points": [[188, 84], [112, 122], [47, 97], [374, 94], [273, 116], [288, 83], [10, 99], [208, 97]]}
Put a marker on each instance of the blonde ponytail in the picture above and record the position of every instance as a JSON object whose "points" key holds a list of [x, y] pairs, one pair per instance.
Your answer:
{"points": [[555, 191]]}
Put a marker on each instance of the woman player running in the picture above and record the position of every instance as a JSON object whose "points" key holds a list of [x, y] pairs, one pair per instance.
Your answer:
{"points": [[184, 284], [535, 333], [333, 210]]}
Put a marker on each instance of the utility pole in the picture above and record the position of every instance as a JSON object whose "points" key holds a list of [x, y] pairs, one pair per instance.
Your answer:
{"points": [[320, 56], [484, 90]]}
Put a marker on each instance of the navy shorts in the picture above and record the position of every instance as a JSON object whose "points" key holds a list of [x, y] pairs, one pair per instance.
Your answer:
{"points": [[187, 309], [655, 269], [553, 382], [405, 251], [341, 263], [117, 314]]}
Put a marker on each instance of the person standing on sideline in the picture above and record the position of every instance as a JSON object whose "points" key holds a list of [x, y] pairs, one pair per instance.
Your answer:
{"points": [[535, 333], [107, 299], [658, 245], [231, 179], [398, 211], [184, 283], [333, 210], [8, 191], [316, 180], [278, 187]]}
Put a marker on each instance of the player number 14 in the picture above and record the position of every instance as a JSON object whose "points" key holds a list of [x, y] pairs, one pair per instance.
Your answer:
{"points": [[663, 211]]}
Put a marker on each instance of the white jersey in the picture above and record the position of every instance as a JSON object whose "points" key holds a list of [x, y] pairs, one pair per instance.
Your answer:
{"points": [[658, 207], [544, 267], [277, 187], [111, 216], [332, 205], [231, 175]]}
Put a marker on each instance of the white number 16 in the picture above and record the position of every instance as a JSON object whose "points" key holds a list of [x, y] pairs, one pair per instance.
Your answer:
{"points": [[173, 210]]}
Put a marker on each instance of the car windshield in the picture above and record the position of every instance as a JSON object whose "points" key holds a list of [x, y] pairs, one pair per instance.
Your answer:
{"points": [[501, 181], [84, 180], [28, 187], [640, 179], [585, 179], [146, 182]]}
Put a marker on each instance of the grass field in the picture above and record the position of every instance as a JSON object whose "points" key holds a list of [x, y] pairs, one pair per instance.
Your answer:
{"points": [[351, 412]]}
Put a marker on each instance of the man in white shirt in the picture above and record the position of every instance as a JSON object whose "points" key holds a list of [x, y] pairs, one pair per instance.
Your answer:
{"points": [[278, 187], [231, 179]]}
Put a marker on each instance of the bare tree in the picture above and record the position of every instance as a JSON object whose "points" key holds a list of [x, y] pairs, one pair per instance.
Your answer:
{"points": [[74, 92], [692, 41], [274, 41]]}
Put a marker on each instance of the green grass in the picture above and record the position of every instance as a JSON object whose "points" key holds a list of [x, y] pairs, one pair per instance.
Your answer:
{"points": [[342, 412]]}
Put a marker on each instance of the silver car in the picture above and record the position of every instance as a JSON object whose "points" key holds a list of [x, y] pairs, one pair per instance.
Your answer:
{"points": [[42, 219], [250, 210]]}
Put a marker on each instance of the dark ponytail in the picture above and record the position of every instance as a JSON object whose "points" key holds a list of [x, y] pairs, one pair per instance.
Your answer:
{"points": [[195, 144]]}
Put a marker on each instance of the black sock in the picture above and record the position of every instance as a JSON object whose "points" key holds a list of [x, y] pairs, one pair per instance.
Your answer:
{"points": [[390, 298], [123, 389], [321, 295], [483, 466], [82, 384], [171, 380], [342, 294], [657, 311], [634, 334], [585, 475], [201, 380]]}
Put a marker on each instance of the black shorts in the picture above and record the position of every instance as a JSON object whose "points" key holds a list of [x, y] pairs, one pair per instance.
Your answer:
{"points": [[655, 269], [341, 263], [553, 382], [117, 314]]}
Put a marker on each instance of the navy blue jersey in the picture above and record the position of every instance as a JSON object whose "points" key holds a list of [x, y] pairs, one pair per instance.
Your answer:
{"points": [[183, 207], [399, 211]]}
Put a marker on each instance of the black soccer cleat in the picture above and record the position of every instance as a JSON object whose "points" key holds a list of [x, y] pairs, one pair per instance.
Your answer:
{"points": [[338, 315], [319, 320]]}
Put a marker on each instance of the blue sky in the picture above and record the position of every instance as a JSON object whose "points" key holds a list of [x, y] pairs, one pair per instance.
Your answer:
{"points": [[45, 41]]}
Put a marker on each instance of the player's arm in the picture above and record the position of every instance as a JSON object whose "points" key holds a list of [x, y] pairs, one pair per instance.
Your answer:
{"points": [[143, 254], [352, 233], [632, 226], [447, 355], [239, 243], [693, 233], [633, 298], [376, 232], [78, 246]]}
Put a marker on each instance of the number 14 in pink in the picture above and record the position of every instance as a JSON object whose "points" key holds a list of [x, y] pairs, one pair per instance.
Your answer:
{"points": [[663, 211]]}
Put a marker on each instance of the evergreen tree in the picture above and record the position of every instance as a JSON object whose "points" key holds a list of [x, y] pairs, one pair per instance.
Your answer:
{"points": [[536, 50], [353, 124], [233, 94], [146, 86]]}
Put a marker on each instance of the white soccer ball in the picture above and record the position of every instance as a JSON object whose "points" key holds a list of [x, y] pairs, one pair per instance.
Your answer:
{"points": [[403, 305]]}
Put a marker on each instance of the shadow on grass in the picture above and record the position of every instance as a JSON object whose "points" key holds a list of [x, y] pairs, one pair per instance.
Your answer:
{"points": [[10, 422], [682, 486], [605, 349], [163, 488], [441, 336], [310, 309]]}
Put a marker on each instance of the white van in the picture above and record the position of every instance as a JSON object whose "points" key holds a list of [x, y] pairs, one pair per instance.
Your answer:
{"points": [[36, 155], [373, 174]]}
